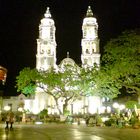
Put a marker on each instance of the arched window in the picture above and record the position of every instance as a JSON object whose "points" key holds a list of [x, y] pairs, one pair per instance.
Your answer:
{"points": [[87, 51]]}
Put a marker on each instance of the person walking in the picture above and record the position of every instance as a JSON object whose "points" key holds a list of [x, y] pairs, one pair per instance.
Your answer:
{"points": [[9, 120]]}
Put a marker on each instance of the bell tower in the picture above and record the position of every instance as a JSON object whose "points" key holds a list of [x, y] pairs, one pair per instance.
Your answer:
{"points": [[90, 42], [46, 44]]}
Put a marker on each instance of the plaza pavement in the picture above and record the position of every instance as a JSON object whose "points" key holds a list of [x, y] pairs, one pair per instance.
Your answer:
{"points": [[67, 132]]}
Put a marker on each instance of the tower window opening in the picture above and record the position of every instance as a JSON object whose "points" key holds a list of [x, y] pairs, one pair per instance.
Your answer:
{"points": [[51, 33], [87, 51], [84, 33], [42, 51], [48, 52]]}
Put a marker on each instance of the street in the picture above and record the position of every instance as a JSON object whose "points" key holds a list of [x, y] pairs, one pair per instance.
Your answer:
{"points": [[67, 132]]}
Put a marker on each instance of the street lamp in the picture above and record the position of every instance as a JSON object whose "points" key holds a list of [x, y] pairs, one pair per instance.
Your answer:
{"points": [[7, 108], [20, 109], [108, 108], [116, 105], [121, 107]]}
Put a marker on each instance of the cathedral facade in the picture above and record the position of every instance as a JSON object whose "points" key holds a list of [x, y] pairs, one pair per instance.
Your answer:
{"points": [[46, 44], [46, 58]]}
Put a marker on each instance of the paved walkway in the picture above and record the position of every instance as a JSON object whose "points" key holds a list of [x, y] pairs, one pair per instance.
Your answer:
{"points": [[67, 132]]}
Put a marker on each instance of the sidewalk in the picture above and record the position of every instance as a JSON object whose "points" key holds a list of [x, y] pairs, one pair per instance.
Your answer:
{"points": [[55, 131]]}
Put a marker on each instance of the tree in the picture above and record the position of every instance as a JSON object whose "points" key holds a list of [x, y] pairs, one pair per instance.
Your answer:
{"points": [[60, 84], [106, 85], [131, 104], [97, 81], [121, 61], [26, 81], [43, 114], [85, 84]]}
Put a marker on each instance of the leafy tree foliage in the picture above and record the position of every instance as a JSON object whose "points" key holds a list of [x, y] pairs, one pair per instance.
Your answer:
{"points": [[131, 104], [25, 81], [106, 85], [60, 84], [121, 61], [98, 82], [43, 113]]}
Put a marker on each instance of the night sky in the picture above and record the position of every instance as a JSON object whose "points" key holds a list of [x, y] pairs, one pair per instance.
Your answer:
{"points": [[19, 21]]}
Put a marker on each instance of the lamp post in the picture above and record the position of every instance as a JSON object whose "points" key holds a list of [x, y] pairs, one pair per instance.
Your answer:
{"points": [[118, 107], [21, 109], [121, 107]]}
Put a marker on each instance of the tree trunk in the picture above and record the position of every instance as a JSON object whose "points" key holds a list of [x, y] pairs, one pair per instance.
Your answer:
{"points": [[60, 112], [65, 106], [138, 98]]}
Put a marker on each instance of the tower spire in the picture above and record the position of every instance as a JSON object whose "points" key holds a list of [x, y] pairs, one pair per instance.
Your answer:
{"points": [[47, 14], [68, 55], [89, 12], [90, 42], [46, 44]]}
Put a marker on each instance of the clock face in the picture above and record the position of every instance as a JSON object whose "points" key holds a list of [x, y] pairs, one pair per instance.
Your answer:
{"points": [[45, 34], [91, 33]]}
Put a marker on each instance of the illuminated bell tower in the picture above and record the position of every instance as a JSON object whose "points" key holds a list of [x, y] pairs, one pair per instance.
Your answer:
{"points": [[90, 42], [46, 45]]}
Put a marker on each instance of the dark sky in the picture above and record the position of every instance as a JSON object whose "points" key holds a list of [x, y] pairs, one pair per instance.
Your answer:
{"points": [[19, 21]]}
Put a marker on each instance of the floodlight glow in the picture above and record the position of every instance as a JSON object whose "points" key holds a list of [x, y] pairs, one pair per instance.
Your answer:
{"points": [[94, 104], [77, 107]]}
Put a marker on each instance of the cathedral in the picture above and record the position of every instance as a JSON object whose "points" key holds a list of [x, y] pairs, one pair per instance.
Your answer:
{"points": [[46, 58]]}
